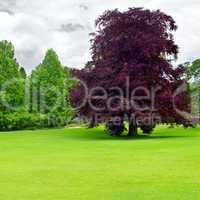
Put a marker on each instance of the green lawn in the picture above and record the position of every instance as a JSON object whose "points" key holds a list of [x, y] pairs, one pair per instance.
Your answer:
{"points": [[82, 164]]}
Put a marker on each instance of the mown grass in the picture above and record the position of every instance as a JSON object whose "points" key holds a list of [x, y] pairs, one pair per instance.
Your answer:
{"points": [[83, 164]]}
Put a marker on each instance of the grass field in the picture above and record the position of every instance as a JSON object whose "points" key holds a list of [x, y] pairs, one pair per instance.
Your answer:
{"points": [[82, 164]]}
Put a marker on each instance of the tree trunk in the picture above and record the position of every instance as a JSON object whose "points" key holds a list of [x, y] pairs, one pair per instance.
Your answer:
{"points": [[132, 132], [92, 122]]}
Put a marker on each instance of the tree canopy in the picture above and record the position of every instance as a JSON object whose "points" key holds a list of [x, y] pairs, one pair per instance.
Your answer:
{"points": [[131, 75], [12, 92], [193, 74], [50, 88], [194, 70]]}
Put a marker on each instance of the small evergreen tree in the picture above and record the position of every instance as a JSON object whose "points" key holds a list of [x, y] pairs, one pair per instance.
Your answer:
{"points": [[49, 86]]}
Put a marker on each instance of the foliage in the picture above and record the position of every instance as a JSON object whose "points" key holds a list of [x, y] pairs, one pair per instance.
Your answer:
{"points": [[194, 70], [136, 45], [25, 120], [193, 74], [11, 81], [23, 73], [115, 128], [50, 85], [147, 129], [47, 92], [19, 121]]}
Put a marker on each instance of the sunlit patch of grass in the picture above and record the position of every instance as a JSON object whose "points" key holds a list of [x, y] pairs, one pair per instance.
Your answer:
{"points": [[80, 163]]}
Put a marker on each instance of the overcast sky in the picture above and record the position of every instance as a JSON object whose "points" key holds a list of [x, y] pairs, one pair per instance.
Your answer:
{"points": [[33, 26]]}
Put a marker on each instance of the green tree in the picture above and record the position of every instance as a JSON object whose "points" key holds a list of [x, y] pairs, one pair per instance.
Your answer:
{"points": [[49, 91], [194, 70], [193, 73], [12, 90]]}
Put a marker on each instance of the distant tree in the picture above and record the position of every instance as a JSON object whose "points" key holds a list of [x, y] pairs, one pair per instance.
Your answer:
{"points": [[136, 45], [11, 81], [48, 86], [193, 74], [194, 70]]}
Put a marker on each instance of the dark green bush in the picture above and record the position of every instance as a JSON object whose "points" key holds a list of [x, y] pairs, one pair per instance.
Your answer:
{"points": [[115, 128], [20, 121]]}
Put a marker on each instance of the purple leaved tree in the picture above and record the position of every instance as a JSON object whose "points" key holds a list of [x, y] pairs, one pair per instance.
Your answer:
{"points": [[130, 77]]}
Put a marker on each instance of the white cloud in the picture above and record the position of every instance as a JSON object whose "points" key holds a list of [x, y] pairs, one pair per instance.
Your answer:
{"points": [[34, 26]]}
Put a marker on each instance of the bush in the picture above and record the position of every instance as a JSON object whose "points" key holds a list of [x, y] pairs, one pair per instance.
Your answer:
{"points": [[147, 129], [20, 121], [115, 128]]}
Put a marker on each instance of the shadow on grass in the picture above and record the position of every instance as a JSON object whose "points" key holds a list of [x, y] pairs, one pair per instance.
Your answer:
{"points": [[93, 134]]}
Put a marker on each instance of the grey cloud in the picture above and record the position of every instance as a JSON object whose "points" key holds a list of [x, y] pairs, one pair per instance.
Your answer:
{"points": [[10, 12], [29, 58], [8, 6], [7, 3], [70, 27], [84, 7]]}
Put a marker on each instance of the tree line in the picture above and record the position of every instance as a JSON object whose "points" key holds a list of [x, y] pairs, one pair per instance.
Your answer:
{"points": [[38, 100]]}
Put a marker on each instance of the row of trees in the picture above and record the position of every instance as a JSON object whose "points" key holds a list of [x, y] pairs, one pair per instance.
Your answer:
{"points": [[37, 100]]}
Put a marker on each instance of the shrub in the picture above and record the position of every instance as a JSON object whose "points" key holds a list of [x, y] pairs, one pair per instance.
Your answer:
{"points": [[20, 121], [115, 128], [147, 129]]}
